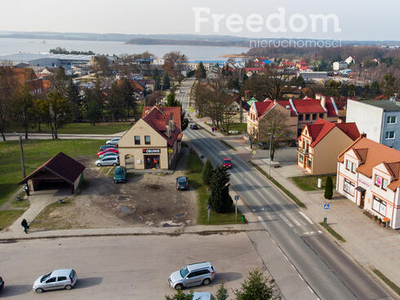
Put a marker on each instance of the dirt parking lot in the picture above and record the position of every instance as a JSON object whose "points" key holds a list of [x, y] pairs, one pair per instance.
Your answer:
{"points": [[145, 200]]}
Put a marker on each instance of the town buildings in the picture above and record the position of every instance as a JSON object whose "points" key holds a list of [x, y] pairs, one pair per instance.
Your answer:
{"points": [[368, 174]]}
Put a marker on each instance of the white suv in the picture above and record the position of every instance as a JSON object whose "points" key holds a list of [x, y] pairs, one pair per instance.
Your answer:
{"points": [[192, 275]]}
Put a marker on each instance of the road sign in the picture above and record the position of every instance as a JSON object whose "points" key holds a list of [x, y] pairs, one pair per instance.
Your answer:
{"points": [[236, 197], [326, 206], [191, 108]]}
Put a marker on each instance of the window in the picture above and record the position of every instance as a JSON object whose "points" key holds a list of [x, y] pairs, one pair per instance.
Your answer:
{"points": [[301, 158], [390, 135], [53, 279], [137, 140], [307, 117], [309, 163], [147, 139], [384, 184], [392, 120], [353, 168], [348, 165], [348, 187], [300, 117], [321, 116], [314, 116], [378, 181], [379, 206], [61, 278]]}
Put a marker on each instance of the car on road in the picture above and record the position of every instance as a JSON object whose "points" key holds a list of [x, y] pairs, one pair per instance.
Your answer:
{"points": [[56, 280], [192, 275], [107, 151], [182, 183], [104, 147], [1, 283], [107, 161], [194, 126], [227, 163], [108, 154], [120, 175], [113, 141]]}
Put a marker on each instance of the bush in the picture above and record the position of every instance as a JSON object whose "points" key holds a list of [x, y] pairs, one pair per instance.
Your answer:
{"points": [[328, 188]]}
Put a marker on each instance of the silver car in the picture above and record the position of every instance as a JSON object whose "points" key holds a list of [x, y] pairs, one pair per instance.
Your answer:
{"points": [[113, 141], [107, 161], [56, 280], [192, 275]]}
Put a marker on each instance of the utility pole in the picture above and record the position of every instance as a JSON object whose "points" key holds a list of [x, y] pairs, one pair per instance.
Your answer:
{"points": [[270, 153], [22, 155]]}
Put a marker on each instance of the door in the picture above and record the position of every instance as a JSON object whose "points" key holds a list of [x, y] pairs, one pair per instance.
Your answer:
{"points": [[193, 279], [152, 161], [362, 199], [61, 282], [129, 161], [50, 284]]}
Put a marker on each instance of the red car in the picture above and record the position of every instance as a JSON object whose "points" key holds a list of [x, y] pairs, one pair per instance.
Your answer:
{"points": [[227, 163], [108, 150]]}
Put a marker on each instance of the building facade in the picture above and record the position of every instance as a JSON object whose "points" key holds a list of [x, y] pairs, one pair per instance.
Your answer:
{"points": [[154, 142], [378, 119], [320, 144], [368, 175]]}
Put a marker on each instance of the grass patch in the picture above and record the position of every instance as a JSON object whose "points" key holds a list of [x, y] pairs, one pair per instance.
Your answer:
{"points": [[80, 128], [20, 204], [241, 127], [7, 217], [310, 183], [195, 168], [47, 220], [390, 283], [333, 232], [281, 187], [228, 145], [36, 152]]}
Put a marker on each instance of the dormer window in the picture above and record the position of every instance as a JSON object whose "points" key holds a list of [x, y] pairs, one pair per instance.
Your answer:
{"points": [[348, 165], [381, 182], [353, 168]]}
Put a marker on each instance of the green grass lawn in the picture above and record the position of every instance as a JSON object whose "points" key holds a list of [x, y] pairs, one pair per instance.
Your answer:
{"points": [[80, 128], [241, 127], [36, 152], [195, 168], [310, 183], [7, 217]]}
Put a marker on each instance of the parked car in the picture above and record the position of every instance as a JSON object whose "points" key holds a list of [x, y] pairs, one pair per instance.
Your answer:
{"points": [[202, 295], [192, 275], [113, 141], [56, 280], [182, 183], [194, 126], [104, 147], [1, 283], [227, 163], [263, 145], [120, 174], [107, 161], [108, 150], [108, 154]]}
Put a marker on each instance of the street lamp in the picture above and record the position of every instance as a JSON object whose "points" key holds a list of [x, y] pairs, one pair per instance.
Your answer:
{"points": [[270, 153], [22, 154]]}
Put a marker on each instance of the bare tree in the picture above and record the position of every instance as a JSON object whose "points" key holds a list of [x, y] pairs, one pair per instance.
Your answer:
{"points": [[8, 86]]}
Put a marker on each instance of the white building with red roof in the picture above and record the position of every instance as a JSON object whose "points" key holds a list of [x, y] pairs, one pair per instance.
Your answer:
{"points": [[154, 141], [368, 174]]}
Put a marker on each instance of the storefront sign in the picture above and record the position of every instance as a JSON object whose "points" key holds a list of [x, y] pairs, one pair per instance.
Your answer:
{"points": [[151, 151], [362, 182]]}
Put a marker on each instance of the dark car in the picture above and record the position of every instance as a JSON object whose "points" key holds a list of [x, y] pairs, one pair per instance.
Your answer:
{"points": [[1, 283], [120, 174], [182, 183], [104, 147], [194, 126]]}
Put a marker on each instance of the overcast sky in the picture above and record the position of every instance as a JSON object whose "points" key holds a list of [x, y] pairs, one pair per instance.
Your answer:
{"points": [[358, 20]]}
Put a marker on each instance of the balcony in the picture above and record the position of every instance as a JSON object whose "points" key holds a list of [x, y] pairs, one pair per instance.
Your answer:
{"points": [[303, 151]]}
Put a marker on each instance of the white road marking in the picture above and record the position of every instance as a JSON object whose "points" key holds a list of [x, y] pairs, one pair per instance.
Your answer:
{"points": [[307, 218]]}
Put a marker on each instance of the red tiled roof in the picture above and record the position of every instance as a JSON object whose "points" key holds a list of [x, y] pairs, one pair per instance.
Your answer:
{"points": [[167, 110], [350, 129], [263, 107], [372, 154], [60, 165], [157, 118], [308, 106]]}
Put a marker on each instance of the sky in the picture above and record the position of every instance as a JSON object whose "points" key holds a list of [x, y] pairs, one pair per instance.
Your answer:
{"points": [[346, 19]]}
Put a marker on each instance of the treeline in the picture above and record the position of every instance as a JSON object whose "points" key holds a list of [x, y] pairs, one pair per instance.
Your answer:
{"points": [[60, 50]]}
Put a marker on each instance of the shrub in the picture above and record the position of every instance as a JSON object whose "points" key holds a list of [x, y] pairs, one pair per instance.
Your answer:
{"points": [[328, 188]]}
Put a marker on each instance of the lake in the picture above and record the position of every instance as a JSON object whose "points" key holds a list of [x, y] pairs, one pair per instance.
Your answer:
{"points": [[12, 46]]}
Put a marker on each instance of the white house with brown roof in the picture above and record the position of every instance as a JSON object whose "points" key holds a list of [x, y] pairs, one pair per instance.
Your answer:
{"points": [[154, 141], [368, 174]]}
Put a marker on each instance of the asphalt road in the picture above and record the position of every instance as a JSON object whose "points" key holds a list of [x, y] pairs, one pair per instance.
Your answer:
{"points": [[322, 266], [126, 267]]}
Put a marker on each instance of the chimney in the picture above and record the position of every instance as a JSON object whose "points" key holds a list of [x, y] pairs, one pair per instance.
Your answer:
{"points": [[363, 135], [323, 101]]}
